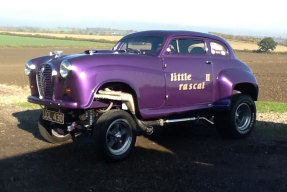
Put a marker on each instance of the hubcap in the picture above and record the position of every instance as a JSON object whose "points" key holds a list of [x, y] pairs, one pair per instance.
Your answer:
{"points": [[243, 117], [119, 136]]}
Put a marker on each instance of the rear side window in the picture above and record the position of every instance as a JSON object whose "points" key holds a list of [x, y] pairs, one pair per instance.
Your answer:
{"points": [[187, 46], [218, 49]]}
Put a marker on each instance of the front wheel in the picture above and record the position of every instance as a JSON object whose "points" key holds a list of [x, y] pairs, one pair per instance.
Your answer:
{"points": [[115, 134], [51, 133], [240, 120]]}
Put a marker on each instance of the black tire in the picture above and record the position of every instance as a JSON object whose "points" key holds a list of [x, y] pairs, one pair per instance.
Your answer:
{"points": [[114, 135], [240, 120], [49, 133]]}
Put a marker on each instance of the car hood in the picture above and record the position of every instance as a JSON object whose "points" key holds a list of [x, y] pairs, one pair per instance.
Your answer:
{"points": [[91, 59]]}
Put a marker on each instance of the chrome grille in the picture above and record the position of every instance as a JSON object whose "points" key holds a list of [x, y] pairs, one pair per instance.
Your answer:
{"points": [[45, 81]]}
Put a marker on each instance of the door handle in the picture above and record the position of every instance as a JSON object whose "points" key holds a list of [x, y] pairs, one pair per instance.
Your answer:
{"points": [[208, 62]]}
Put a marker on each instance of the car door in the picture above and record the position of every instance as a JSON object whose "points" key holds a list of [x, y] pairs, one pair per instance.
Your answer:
{"points": [[188, 72]]}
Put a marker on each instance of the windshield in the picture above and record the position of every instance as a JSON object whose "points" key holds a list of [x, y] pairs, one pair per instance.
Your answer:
{"points": [[140, 45]]}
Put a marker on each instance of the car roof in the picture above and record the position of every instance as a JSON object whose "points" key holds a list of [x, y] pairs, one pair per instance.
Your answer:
{"points": [[168, 33]]}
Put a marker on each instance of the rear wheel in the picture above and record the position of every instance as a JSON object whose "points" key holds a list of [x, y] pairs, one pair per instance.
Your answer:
{"points": [[51, 133], [115, 134], [239, 121]]}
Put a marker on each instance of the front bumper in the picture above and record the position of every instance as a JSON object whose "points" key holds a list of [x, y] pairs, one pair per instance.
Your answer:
{"points": [[51, 103], [66, 104]]}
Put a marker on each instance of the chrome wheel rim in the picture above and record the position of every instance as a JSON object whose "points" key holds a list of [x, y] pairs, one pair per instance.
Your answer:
{"points": [[119, 137], [243, 117]]}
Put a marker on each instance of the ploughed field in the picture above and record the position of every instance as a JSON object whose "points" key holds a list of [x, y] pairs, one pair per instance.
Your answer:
{"points": [[270, 70], [271, 73]]}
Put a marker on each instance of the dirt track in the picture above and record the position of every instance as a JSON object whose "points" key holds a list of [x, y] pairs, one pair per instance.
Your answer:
{"points": [[177, 158]]}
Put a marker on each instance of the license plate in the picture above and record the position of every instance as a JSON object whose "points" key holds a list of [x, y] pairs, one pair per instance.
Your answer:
{"points": [[56, 117]]}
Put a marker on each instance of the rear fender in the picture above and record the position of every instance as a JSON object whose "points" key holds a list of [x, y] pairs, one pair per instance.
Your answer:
{"points": [[231, 81]]}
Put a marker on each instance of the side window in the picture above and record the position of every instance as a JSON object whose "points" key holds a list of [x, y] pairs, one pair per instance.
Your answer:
{"points": [[218, 49], [187, 46]]}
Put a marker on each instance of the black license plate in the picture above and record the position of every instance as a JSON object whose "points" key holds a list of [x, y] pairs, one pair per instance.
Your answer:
{"points": [[53, 116]]}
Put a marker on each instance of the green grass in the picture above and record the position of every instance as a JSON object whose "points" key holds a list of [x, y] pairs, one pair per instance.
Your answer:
{"points": [[266, 106], [27, 105], [17, 41]]}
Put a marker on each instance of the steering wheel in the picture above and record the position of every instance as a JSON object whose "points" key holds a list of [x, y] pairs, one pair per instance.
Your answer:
{"points": [[133, 50]]}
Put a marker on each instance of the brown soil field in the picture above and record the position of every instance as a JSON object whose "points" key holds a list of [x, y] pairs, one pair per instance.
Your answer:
{"points": [[271, 73], [12, 63], [270, 69]]}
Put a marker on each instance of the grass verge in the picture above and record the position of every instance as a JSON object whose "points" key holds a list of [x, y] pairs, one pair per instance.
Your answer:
{"points": [[26, 104], [268, 106]]}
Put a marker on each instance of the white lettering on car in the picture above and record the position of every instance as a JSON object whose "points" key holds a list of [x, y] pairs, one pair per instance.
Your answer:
{"points": [[180, 77]]}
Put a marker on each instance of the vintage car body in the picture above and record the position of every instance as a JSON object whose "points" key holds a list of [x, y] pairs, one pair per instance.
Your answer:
{"points": [[177, 76]]}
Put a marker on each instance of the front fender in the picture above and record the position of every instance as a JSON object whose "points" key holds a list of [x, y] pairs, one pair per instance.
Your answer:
{"points": [[148, 84]]}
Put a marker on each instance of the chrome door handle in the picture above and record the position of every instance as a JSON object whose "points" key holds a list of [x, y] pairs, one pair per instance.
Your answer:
{"points": [[208, 62]]}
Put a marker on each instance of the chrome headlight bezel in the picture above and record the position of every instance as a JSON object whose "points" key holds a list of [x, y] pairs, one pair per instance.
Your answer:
{"points": [[65, 68], [29, 67]]}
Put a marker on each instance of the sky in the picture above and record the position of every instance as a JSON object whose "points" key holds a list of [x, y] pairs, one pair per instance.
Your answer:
{"points": [[244, 17]]}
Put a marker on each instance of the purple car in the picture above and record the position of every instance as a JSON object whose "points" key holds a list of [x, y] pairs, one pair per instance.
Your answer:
{"points": [[149, 79]]}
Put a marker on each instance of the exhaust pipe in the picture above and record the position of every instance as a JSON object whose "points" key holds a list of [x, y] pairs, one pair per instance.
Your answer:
{"points": [[127, 98], [147, 126], [189, 119]]}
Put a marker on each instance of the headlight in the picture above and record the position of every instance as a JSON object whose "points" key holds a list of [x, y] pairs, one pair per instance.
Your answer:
{"points": [[28, 67], [65, 68]]}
